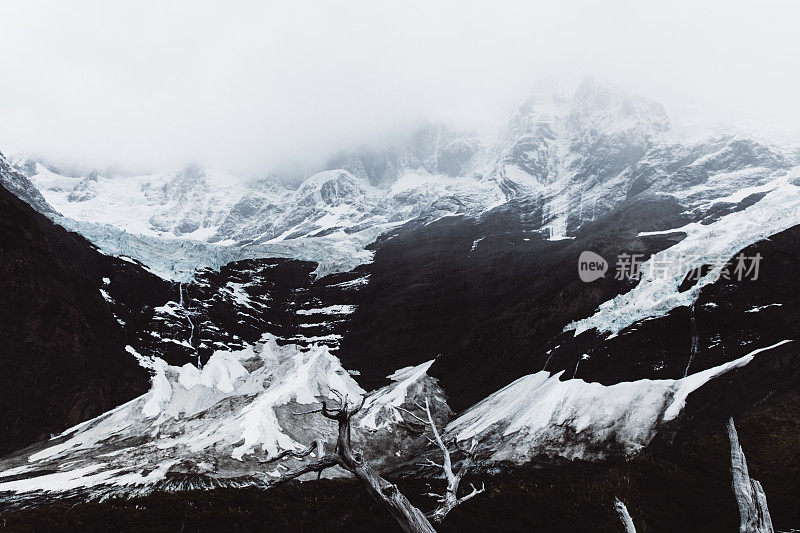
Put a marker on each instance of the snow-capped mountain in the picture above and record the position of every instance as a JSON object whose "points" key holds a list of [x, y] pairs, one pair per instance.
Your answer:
{"points": [[448, 264], [560, 163]]}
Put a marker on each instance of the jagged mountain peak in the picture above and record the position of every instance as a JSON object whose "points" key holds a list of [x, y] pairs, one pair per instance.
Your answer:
{"points": [[327, 176], [595, 107], [26, 167], [86, 189], [596, 94], [333, 188], [605, 108], [433, 148]]}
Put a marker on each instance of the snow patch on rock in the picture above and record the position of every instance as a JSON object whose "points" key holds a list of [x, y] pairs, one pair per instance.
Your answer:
{"points": [[381, 407]]}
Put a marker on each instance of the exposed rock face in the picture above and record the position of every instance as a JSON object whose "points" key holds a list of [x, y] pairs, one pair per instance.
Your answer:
{"points": [[434, 149], [190, 203], [499, 311], [482, 296], [232, 308], [85, 190], [14, 181], [257, 210]]}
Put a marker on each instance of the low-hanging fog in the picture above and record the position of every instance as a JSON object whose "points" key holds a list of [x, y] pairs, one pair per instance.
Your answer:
{"points": [[254, 87]]}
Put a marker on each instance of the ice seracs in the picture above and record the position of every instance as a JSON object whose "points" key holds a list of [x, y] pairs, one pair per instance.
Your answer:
{"points": [[237, 408], [242, 406]]}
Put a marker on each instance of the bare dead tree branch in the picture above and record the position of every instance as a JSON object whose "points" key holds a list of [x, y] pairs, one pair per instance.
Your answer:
{"points": [[750, 497], [419, 419], [410, 519], [318, 445], [360, 406], [339, 396], [450, 500], [430, 462], [308, 412], [318, 466]]}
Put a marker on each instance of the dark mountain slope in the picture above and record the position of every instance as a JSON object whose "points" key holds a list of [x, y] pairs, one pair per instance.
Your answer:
{"points": [[62, 353], [230, 308], [490, 299], [485, 297], [67, 313]]}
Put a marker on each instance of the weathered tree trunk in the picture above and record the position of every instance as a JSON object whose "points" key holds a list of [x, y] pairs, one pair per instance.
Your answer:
{"points": [[750, 497], [449, 500], [625, 516], [410, 519]]}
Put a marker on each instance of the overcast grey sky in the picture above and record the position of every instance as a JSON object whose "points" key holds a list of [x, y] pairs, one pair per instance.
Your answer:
{"points": [[248, 86]]}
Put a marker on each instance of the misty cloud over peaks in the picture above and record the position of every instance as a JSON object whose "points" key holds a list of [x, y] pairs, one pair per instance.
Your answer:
{"points": [[256, 88]]}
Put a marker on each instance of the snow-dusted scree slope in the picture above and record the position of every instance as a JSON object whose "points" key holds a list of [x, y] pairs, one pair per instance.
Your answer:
{"points": [[540, 415]]}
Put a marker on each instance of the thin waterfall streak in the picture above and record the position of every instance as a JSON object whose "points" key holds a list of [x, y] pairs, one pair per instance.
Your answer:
{"points": [[695, 344], [191, 324]]}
